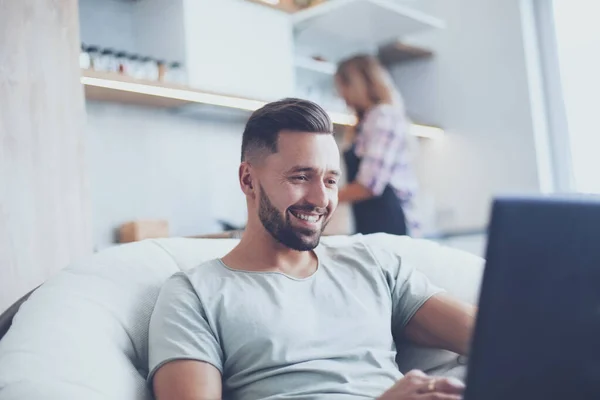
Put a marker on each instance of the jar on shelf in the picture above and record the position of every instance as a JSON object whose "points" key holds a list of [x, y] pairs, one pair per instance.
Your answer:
{"points": [[135, 69], [150, 68], [95, 57], [109, 61], [84, 57], [175, 74]]}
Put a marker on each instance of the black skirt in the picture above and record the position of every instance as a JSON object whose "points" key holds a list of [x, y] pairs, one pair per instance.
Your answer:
{"points": [[378, 214]]}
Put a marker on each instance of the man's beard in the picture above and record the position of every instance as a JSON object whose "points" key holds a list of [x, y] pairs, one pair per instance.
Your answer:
{"points": [[280, 226]]}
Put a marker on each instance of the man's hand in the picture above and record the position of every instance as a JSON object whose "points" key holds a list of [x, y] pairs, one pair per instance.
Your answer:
{"points": [[417, 386]]}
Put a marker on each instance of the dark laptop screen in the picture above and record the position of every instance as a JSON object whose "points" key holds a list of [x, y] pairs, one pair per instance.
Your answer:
{"points": [[538, 330]]}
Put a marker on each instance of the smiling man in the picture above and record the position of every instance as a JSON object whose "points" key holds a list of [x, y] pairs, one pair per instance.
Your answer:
{"points": [[284, 317]]}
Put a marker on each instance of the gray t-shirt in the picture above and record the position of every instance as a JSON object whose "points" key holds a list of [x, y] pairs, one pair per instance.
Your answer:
{"points": [[272, 336]]}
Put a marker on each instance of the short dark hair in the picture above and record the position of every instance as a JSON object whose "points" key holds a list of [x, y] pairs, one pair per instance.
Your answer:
{"points": [[265, 124]]}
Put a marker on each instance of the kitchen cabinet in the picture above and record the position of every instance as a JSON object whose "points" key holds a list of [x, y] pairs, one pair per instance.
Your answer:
{"points": [[237, 54], [232, 47], [239, 48], [336, 29]]}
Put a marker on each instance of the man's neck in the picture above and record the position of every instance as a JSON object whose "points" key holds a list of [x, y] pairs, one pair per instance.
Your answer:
{"points": [[259, 251]]}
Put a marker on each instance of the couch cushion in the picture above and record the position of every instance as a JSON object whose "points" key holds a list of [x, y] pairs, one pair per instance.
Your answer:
{"points": [[83, 334]]}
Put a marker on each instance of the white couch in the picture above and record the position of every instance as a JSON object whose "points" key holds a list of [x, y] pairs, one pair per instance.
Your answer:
{"points": [[83, 334]]}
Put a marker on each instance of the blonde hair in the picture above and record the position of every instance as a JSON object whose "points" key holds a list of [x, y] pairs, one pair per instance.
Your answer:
{"points": [[380, 87]]}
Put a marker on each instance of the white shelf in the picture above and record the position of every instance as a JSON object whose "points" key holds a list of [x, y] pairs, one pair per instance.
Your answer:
{"points": [[320, 67], [111, 87], [338, 28]]}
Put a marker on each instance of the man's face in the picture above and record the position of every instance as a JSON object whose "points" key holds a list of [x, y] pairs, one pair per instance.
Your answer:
{"points": [[298, 188]]}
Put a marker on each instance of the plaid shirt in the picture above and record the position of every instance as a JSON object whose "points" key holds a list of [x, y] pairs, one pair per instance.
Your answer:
{"points": [[384, 146]]}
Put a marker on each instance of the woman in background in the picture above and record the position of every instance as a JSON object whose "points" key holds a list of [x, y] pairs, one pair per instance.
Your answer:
{"points": [[378, 151]]}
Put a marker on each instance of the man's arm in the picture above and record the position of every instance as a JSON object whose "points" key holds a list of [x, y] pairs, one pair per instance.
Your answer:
{"points": [[185, 359], [354, 192], [443, 322], [187, 380]]}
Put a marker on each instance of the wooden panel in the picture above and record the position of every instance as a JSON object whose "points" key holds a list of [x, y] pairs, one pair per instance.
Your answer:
{"points": [[117, 96], [289, 6], [316, 66], [120, 96], [114, 87], [398, 52], [134, 231], [283, 5], [44, 210]]}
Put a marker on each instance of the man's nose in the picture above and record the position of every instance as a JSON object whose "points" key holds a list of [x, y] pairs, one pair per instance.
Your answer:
{"points": [[317, 195]]}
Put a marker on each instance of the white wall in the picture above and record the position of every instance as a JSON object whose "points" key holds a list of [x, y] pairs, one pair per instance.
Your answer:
{"points": [[476, 88], [107, 23], [147, 163], [579, 63]]}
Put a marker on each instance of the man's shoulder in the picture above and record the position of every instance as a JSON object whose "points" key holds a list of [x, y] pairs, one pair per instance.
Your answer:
{"points": [[361, 251], [356, 248], [208, 268], [193, 278], [339, 245]]}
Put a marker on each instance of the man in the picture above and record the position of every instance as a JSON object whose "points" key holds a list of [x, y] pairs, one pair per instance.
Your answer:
{"points": [[282, 317]]}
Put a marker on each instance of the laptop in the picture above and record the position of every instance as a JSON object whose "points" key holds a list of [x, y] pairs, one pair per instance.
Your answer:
{"points": [[537, 334]]}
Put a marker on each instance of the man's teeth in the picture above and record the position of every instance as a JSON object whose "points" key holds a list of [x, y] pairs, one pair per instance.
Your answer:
{"points": [[309, 218]]}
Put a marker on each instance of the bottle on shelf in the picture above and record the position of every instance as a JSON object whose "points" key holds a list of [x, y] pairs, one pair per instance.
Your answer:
{"points": [[135, 69], [94, 54], [150, 68], [84, 57], [122, 59], [162, 70]]}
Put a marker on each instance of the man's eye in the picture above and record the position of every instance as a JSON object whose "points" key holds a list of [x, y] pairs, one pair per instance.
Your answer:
{"points": [[332, 182], [300, 178]]}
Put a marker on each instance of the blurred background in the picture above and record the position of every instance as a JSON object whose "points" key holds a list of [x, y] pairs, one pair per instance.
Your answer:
{"points": [[122, 119]]}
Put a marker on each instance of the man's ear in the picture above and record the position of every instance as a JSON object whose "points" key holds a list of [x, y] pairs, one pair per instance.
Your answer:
{"points": [[246, 176]]}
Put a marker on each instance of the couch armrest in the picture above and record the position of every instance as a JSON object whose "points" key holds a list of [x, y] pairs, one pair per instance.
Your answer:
{"points": [[7, 316]]}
